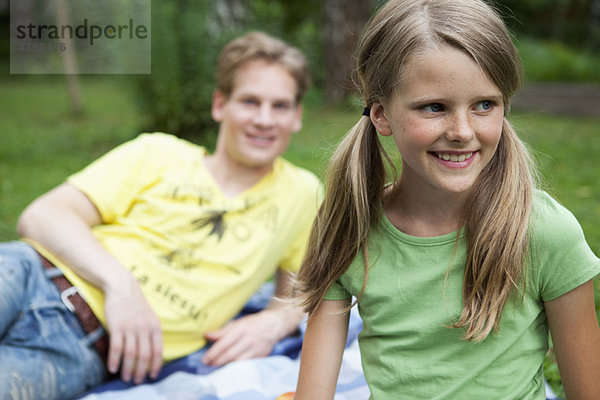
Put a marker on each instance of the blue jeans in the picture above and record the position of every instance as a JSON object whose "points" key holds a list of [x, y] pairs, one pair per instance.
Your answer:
{"points": [[44, 352]]}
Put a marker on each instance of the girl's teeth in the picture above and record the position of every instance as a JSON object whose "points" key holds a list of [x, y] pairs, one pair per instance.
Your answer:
{"points": [[454, 157]]}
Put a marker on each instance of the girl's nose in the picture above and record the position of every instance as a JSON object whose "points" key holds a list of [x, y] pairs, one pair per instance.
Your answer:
{"points": [[460, 128]]}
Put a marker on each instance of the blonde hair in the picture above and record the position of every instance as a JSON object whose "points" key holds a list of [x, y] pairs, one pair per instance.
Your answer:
{"points": [[260, 46], [496, 216]]}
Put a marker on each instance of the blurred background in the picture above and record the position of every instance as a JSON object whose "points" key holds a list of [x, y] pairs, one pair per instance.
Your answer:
{"points": [[53, 125]]}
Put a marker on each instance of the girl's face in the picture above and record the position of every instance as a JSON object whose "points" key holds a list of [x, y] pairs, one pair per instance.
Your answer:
{"points": [[446, 119]]}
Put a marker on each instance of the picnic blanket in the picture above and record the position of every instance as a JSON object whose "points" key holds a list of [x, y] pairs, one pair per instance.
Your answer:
{"points": [[256, 379]]}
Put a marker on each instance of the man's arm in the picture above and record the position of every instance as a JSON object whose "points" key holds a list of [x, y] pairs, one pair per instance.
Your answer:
{"points": [[61, 221], [255, 335]]}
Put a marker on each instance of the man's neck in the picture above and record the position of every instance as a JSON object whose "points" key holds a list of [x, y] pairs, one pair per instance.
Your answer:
{"points": [[231, 177]]}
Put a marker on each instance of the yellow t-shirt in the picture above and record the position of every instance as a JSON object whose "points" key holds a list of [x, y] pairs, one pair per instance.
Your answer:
{"points": [[198, 255]]}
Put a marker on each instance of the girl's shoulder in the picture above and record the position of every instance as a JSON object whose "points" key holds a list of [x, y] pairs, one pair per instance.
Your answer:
{"points": [[550, 219], [553, 228], [559, 255]]}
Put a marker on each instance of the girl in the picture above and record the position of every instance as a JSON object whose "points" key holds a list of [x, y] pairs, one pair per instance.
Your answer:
{"points": [[460, 266]]}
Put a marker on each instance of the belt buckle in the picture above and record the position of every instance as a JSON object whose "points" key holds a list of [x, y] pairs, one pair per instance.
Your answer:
{"points": [[65, 294]]}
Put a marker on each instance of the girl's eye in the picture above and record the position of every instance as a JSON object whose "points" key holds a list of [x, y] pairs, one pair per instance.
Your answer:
{"points": [[434, 107], [485, 105]]}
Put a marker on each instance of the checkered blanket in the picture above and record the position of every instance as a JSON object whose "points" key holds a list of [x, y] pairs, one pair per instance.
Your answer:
{"points": [[256, 379]]}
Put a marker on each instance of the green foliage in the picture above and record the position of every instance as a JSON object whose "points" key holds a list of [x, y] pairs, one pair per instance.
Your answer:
{"points": [[298, 22], [550, 60], [568, 21], [177, 95], [186, 39]]}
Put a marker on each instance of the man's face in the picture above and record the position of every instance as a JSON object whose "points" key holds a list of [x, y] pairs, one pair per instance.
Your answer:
{"points": [[259, 116]]}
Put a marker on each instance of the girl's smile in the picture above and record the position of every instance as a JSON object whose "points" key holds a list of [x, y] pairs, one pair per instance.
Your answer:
{"points": [[455, 159]]}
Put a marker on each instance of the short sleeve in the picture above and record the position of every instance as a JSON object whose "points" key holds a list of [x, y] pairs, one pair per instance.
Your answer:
{"points": [[560, 256], [337, 292], [293, 258], [113, 181]]}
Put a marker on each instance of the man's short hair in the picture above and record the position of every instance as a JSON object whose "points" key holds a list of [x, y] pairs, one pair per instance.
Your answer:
{"points": [[260, 46]]}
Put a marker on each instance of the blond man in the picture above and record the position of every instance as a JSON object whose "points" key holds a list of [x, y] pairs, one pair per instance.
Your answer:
{"points": [[146, 254]]}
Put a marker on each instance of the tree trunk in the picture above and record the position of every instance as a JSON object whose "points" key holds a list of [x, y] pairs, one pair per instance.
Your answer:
{"points": [[231, 14], [344, 22], [594, 27], [69, 59]]}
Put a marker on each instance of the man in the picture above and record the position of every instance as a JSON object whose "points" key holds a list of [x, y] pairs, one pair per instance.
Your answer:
{"points": [[162, 243]]}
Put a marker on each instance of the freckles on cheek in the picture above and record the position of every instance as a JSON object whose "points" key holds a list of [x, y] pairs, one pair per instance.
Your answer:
{"points": [[417, 132]]}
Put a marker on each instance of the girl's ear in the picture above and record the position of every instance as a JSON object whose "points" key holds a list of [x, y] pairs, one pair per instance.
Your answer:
{"points": [[379, 119]]}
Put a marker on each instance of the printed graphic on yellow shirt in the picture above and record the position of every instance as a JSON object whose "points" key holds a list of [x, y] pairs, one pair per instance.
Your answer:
{"points": [[214, 219]]}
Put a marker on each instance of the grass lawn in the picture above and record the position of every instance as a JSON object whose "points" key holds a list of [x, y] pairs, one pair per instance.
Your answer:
{"points": [[42, 144]]}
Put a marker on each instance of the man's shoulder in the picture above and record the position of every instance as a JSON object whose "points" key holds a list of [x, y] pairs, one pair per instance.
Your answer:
{"points": [[298, 176], [164, 140], [161, 149]]}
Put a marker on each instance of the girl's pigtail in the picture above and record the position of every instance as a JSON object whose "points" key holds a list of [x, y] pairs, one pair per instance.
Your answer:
{"points": [[496, 221], [355, 182]]}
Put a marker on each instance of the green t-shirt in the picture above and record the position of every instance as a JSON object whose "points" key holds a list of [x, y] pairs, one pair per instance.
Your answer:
{"points": [[408, 350]]}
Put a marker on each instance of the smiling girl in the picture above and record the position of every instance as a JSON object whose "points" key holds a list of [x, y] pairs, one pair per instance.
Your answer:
{"points": [[460, 267]]}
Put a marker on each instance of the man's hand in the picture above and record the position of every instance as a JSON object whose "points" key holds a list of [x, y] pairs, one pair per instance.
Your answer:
{"points": [[255, 335], [135, 333], [247, 337]]}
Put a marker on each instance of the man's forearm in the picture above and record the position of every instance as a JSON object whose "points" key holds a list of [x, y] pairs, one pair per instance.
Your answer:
{"points": [[290, 313], [61, 222]]}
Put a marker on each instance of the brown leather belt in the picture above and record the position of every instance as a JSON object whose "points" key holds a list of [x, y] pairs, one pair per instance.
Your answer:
{"points": [[78, 306]]}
